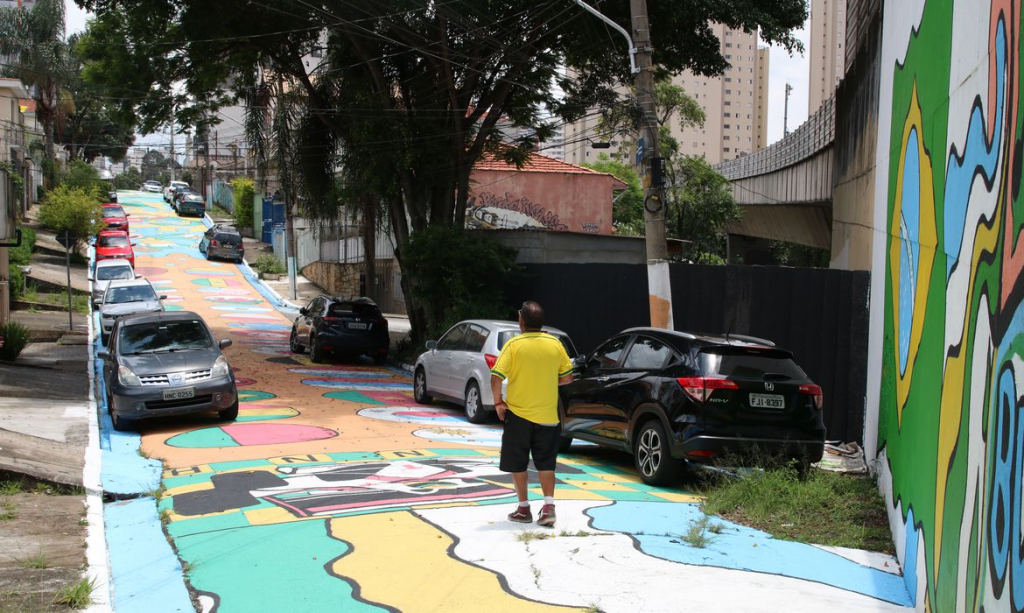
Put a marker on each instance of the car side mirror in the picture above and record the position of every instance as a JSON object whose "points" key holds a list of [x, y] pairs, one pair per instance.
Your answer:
{"points": [[579, 362], [103, 355], [97, 301], [163, 296], [134, 244], [431, 345], [303, 311], [90, 278], [224, 343], [127, 214]]}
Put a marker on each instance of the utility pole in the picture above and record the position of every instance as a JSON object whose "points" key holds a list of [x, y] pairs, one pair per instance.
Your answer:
{"points": [[289, 195], [785, 112], [648, 158]]}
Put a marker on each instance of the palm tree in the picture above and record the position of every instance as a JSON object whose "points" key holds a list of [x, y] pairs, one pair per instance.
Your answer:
{"points": [[33, 41]]}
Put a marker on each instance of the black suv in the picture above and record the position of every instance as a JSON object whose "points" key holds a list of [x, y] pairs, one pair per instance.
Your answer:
{"points": [[222, 241], [669, 397], [349, 327]]}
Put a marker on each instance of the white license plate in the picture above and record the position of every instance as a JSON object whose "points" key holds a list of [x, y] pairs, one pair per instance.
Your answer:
{"points": [[767, 401], [357, 326], [180, 393]]}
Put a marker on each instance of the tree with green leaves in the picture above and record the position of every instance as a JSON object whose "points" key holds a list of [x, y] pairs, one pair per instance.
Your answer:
{"points": [[34, 40], [408, 93], [699, 205]]}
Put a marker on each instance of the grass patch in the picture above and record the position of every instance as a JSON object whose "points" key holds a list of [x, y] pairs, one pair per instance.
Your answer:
{"points": [[824, 508], [37, 561], [7, 511], [9, 488], [76, 595], [13, 483]]}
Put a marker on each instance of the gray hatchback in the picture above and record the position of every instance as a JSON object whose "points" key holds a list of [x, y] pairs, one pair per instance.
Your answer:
{"points": [[166, 364]]}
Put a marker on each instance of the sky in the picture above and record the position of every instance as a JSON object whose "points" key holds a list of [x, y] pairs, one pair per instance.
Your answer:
{"points": [[781, 69]]}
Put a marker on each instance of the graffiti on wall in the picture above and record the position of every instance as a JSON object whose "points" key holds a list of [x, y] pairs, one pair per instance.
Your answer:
{"points": [[950, 420], [490, 211]]}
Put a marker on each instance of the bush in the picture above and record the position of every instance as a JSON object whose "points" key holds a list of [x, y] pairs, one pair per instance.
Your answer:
{"points": [[16, 279], [83, 176], [72, 209], [458, 274], [244, 192], [268, 264], [14, 339], [22, 255]]}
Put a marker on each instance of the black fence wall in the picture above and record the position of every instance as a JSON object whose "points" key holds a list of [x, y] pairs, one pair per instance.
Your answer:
{"points": [[820, 315]]}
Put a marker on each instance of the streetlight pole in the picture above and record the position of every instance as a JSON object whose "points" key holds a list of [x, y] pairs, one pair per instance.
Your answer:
{"points": [[649, 161]]}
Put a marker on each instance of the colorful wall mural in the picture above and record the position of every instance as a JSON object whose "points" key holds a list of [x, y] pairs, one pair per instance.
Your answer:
{"points": [[950, 429]]}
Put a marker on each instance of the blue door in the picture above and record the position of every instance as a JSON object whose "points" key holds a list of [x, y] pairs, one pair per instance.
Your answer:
{"points": [[273, 214]]}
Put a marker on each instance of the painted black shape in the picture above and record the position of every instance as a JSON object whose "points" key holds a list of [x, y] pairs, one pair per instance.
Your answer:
{"points": [[230, 491]]}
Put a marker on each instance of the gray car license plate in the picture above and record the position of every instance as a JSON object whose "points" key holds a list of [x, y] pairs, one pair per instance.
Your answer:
{"points": [[767, 401], [180, 393], [357, 326]]}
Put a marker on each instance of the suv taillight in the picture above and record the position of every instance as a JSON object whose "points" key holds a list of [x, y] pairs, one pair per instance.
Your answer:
{"points": [[214, 243], [491, 360], [815, 392], [700, 388]]}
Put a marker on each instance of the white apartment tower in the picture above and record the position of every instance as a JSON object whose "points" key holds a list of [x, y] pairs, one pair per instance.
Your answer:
{"points": [[828, 34], [735, 107]]}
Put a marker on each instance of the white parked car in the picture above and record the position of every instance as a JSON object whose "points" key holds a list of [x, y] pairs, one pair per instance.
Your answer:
{"points": [[152, 186], [171, 188], [457, 368], [107, 271]]}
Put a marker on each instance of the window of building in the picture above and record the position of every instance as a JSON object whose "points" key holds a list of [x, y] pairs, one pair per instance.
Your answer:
{"points": [[728, 45], [728, 103], [725, 149], [728, 115], [726, 126], [728, 79], [728, 91], [726, 137]]}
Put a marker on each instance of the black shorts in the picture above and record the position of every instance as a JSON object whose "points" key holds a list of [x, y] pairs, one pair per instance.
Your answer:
{"points": [[523, 438]]}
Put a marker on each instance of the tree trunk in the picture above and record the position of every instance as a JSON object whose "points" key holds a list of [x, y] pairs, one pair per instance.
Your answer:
{"points": [[369, 205]]}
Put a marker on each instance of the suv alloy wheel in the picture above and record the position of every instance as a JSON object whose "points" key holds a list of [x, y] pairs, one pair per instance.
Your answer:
{"points": [[651, 456]]}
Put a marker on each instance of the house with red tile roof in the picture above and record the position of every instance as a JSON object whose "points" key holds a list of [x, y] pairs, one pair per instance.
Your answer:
{"points": [[545, 194]]}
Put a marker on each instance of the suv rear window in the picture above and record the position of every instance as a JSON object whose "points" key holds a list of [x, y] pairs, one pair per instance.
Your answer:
{"points": [[348, 309], [744, 363], [505, 335], [227, 239]]}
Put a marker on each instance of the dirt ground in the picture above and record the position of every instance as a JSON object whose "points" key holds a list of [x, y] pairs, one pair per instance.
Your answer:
{"points": [[42, 546]]}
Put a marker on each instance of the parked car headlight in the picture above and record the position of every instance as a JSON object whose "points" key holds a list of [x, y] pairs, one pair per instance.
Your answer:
{"points": [[220, 368], [127, 378]]}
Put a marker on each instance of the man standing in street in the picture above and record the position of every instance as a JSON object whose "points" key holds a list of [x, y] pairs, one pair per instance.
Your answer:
{"points": [[534, 363]]}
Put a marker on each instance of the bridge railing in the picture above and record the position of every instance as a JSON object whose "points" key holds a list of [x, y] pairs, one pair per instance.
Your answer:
{"points": [[814, 135]]}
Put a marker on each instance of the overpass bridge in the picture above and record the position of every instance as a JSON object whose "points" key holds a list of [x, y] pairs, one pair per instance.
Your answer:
{"points": [[785, 190]]}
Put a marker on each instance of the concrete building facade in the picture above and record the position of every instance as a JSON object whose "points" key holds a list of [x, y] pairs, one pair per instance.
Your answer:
{"points": [[735, 105], [826, 51]]}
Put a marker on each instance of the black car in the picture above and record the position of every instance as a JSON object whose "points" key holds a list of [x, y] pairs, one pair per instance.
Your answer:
{"points": [[222, 241], [349, 327], [112, 197], [670, 397], [166, 364]]}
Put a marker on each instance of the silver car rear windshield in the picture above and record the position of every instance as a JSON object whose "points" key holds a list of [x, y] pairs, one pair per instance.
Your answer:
{"points": [[505, 335], [159, 337], [135, 293], [741, 364], [112, 273]]}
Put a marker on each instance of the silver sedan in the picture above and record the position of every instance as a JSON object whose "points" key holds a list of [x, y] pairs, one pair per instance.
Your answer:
{"points": [[457, 368], [123, 298]]}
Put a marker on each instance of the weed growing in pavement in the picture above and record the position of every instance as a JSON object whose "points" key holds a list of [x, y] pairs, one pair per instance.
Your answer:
{"points": [[7, 511], [76, 595], [187, 568], [9, 488], [697, 536], [165, 516], [822, 508], [158, 493], [83, 521], [37, 561], [717, 528], [593, 608], [528, 536]]}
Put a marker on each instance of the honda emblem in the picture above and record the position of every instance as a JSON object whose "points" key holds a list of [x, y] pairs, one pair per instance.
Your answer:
{"points": [[769, 387]]}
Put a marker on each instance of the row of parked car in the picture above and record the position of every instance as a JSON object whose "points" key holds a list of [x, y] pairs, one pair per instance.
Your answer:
{"points": [[666, 397], [156, 363]]}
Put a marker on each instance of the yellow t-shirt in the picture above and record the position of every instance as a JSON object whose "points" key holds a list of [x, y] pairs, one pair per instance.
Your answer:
{"points": [[532, 363]]}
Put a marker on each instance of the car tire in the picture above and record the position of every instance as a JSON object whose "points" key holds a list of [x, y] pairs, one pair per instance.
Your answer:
{"points": [[419, 387], [316, 354], [293, 343], [474, 403], [119, 423], [380, 359], [230, 413], [654, 463]]}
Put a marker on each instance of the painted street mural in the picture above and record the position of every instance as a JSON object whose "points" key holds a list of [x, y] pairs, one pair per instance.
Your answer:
{"points": [[335, 491], [950, 426]]}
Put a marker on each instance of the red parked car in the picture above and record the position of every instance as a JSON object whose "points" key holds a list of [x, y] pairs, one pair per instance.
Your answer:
{"points": [[115, 217], [112, 244]]}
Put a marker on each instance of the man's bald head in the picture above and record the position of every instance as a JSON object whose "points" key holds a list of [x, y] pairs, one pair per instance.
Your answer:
{"points": [[532, 315]]}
